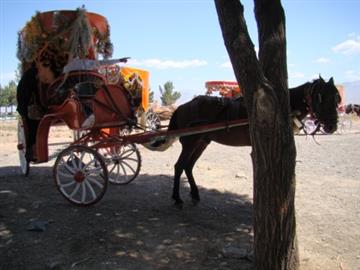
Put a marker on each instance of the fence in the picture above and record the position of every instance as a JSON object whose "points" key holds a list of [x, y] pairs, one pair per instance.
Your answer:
{"points": [[8, 113]]}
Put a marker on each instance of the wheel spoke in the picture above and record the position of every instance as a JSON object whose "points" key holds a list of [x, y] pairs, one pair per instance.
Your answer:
{"points": [[124, 169], [88, 164], [118, 172], [93, 170], [112, 168], [81, 160], [114, 173], [129, 166], [73, 162], [129, 158], [65, 174], [127, 153], [70, 169], [91, 189], [83, 195], [95, 181], [75, 190], [68, 184]]}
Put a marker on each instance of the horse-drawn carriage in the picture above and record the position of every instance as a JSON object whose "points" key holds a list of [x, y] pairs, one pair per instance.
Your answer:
{"points": [[112, 96], [115, 96], [85, 88]]}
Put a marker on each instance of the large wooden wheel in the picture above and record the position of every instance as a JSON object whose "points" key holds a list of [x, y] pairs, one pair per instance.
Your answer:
{"points": [[24, 164], [123, 163], [80, 175]]}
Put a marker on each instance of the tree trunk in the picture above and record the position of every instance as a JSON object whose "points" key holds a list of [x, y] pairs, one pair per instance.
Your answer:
{"points": [[264, 83]]}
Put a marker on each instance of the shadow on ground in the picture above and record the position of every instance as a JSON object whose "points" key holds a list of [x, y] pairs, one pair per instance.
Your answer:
{"points": [[132, 227]]}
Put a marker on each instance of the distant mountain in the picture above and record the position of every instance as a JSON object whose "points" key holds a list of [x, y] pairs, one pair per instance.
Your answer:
{"points": [[352, 92]]}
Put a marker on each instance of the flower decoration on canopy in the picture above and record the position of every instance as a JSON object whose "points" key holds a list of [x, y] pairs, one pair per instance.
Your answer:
{"points": [[63, 35]]}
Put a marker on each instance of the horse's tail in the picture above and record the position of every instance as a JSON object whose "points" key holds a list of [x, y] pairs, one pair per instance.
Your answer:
{"points": [[173, 121], [162, 144]]}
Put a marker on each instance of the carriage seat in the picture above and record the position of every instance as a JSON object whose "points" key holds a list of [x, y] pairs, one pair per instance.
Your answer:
{"points": [[109, 104], [69, 111], [63, 86]]}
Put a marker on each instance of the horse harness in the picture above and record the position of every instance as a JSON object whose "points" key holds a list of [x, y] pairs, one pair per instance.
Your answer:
{"points": [[309, 99]]}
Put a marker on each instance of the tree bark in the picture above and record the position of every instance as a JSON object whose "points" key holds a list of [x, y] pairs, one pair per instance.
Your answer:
{"points": [[265, 87]]}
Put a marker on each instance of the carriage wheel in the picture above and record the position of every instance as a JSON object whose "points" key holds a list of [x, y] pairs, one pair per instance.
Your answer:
{"points": [[80, 175], [77, 134], [125, 131], [24, 164], [123, 163], [310, 126], [152, 120], [344, 124]]}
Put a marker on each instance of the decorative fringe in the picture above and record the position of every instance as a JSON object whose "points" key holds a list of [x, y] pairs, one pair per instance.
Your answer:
{"points": [[81, 36]]}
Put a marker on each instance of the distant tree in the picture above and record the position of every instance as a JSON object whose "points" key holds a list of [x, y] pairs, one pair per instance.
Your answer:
{"points": [[8, 95], [18, 73], [168, 95], [12, 93], [151, 96], [2, 97]]}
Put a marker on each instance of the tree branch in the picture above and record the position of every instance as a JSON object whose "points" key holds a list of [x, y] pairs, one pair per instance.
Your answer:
{"points": [[270, 19], [237, 39]]}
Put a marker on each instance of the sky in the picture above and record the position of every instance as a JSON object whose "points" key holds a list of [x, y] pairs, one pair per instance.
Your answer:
{"points": [[181, 41]]}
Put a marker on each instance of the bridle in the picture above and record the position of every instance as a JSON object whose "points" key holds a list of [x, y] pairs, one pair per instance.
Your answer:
{"points": [[308, 99], [308, 102]]}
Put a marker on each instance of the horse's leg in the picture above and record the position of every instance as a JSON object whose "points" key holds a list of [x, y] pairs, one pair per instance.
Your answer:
{"points": [[189, 145], [200, 147], [179, 167]]}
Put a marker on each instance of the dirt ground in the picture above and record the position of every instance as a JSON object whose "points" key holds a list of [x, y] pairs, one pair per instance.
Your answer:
{"points": [[136, 226]]}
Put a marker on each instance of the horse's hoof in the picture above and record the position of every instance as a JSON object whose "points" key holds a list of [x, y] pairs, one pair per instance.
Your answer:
{"points": [[195, 198], [178, 205], [195, 202]]}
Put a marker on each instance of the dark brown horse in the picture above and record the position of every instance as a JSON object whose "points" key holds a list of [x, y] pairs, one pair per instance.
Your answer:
{"points": [[318, 98]]}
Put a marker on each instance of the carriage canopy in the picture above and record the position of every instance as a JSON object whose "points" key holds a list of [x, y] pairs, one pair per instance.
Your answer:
{"points": [[63, 35], [225, 88]]}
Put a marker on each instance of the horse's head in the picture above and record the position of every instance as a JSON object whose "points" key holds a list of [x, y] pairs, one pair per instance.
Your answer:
{"points": [[324, 99]]}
